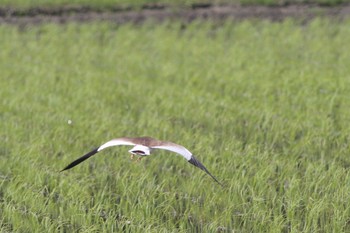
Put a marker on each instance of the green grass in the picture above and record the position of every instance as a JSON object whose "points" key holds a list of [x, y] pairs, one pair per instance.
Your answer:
{"points": [[105, 4], [265, 106]]}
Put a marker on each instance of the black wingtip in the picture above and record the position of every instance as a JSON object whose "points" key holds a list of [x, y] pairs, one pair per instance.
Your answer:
{"points": [[198, 164], [81, 159]]}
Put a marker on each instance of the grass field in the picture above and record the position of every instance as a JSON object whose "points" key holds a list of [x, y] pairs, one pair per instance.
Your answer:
{"points": [[138, 3], [265, 106]]}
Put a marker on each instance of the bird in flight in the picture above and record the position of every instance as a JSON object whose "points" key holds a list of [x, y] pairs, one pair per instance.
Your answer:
{"points": [[143, 146]]}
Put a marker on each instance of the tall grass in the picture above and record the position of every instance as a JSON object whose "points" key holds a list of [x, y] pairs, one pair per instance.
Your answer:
{"points": [[265, 106]]}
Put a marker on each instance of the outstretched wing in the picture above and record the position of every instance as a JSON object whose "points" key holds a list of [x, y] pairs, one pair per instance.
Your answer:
{"points": [[113, 142], [186, 154]]}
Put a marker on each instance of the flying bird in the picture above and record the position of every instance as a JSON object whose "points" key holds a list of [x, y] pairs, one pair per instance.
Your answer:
{"points": [[143, 146]]}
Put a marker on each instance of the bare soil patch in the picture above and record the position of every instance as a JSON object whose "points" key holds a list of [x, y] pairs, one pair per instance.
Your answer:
{"points": [[159, 13]]}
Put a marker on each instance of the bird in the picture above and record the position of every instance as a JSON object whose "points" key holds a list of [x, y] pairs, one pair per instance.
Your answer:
{"points": [[144, 146]]}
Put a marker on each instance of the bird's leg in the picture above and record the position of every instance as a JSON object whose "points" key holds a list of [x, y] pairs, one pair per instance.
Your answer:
{"points": [[132, 156], [139, 159]]}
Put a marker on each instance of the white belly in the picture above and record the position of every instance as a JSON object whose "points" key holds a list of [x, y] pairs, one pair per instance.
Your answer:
{"points": [[140, 150]]}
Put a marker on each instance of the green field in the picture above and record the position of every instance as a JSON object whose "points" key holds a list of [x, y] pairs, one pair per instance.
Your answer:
{"points": [[265, 106]]}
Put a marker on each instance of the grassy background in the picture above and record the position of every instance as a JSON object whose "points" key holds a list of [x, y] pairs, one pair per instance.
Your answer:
{"points": [[138, 3], [265, 106]]}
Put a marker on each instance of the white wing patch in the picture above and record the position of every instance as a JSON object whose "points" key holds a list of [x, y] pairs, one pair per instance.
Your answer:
{"points": [[177, 149], [116, 142]]}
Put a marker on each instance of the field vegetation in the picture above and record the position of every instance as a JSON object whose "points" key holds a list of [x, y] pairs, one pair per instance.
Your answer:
{"points": [[265, 106], [105, 4]]}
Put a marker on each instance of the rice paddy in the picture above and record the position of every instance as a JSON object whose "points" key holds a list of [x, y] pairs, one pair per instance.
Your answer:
{"points": [[264, 106]]}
